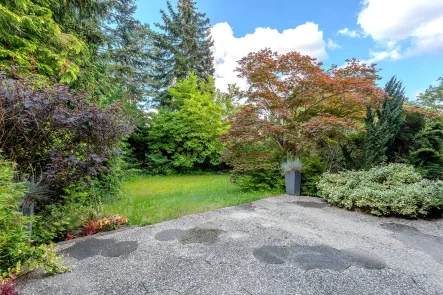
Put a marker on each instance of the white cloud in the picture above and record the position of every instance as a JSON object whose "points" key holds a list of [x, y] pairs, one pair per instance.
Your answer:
{"points": [[376, 56], [228, 49], [417, 25], [349, 33], [332, 45]]}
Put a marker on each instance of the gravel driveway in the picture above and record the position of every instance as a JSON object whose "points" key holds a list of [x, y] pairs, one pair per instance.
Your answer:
{"points": [[281, 245]]}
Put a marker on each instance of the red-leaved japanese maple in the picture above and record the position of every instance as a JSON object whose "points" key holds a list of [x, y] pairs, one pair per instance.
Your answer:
{"points": [[292, 102]]}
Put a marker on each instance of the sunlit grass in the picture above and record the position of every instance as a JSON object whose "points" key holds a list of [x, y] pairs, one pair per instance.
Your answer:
{"points": [[150, 200]]}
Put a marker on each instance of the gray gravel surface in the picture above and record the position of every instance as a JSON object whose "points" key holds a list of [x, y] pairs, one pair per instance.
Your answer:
{"points": [[281, 245]]}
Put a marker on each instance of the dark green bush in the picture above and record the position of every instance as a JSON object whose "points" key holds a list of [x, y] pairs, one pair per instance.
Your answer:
{"points": [[56, 221], [313, 168], [395, 189], [108, 187], [259, 180]]}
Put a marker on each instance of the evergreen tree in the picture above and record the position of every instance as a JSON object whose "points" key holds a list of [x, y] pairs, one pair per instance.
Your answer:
{"points": [[384, 124], [84, 19], [32, 40], [128, 49], [183, 46]]}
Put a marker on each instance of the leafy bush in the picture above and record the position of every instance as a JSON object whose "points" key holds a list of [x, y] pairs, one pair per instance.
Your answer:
{"points": [[104, 224], [259, 180], [50, 128], [59, 222], [395, 189], [56, 221], [313, 168], [17, 252], [108, 187], [15, 243]]}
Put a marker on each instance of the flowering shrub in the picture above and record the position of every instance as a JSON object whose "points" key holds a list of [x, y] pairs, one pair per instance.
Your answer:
{"points": [[395, 189]]}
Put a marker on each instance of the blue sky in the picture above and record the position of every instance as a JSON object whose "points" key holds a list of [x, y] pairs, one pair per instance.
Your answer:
{"points": [[404, 37]]}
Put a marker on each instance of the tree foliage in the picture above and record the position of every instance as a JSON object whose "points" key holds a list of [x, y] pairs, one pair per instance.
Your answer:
{"points": [[183, 46], [433, 97], [426, 149], [84, 19], [31, 39], [128, 49], [188, 137]]}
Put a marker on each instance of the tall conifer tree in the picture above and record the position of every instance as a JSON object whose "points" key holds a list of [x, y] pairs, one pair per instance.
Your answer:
{"points": [[128, 47], [183, 46]]}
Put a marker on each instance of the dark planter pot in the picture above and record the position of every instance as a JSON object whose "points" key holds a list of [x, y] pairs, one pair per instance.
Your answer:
{"points": [[293, 183]]}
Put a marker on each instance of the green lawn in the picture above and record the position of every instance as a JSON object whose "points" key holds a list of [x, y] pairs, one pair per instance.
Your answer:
{"points": [[149, 200]]}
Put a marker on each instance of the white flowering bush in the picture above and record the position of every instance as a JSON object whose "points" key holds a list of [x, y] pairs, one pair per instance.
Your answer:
{"points": [[394, 189]]}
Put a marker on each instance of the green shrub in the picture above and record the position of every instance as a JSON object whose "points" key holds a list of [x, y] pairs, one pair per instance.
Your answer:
{"points": [[17, 252], [313, 168], [56, 221], [259, 180], [395, 189]]}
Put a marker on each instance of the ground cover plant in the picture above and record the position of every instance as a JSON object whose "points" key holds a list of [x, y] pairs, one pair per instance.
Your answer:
{"points": [[395, 189], [158, 198]]}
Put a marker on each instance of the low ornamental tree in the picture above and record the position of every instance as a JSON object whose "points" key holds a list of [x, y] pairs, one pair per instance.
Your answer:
{"points": [[292, 103], [50, 130], [188, 137]]}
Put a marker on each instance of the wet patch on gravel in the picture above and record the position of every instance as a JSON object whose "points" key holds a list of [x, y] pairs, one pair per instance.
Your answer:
{"points": [[201, 235], [306, 204], [170, 235], [318, 257], [412, 237], [105, 247], [272, 254]]}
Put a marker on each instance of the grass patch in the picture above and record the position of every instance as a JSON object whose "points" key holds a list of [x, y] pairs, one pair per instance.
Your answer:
{"points": [[154, 199]]}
